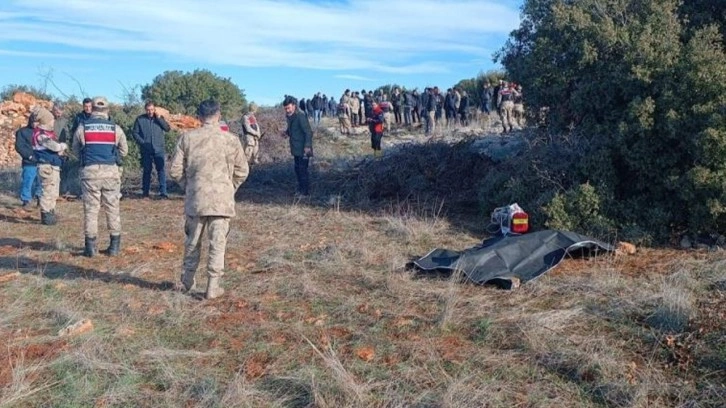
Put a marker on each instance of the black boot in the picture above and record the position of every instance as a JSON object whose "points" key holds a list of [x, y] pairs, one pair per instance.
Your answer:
{"points": [[114, 246], [47, 218], [90, 250]]}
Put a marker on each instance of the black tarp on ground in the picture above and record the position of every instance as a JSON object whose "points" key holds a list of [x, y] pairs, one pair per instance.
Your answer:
{"points": [[524, 257]]}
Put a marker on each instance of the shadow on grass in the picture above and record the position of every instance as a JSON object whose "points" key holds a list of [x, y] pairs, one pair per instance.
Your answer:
{"points": [[20, 244], [60, 270]]}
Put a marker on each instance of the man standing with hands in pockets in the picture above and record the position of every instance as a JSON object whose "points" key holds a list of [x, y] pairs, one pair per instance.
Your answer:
{"points": [[301, 143]]}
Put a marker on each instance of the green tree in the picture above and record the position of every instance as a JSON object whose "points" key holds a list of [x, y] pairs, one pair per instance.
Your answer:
{"points": [[183, 92], [8, 91], [641, 89], [474, 86]]}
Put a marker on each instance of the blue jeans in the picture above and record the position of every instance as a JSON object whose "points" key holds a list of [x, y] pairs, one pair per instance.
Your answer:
{"points": [[317, 114], [30, 186], [157, 160]]}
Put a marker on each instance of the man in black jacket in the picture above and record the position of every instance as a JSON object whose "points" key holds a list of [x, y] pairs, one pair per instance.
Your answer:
{"points": [[82, 116], [148, 132], [29, 187], [301, 143]]}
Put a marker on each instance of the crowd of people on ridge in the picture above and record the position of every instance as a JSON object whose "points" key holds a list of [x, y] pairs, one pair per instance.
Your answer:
{"points": [[210, 163], [428, 108]]}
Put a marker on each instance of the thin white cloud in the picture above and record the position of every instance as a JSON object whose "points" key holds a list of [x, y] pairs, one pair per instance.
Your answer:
{"points": [[45, 55], [354, 77], [405, 36]]}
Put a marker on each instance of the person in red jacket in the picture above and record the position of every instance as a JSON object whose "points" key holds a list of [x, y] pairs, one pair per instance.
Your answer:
{"points": [[375, 125]]}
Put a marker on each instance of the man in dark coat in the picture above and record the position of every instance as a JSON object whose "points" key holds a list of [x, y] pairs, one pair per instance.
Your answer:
{"points": [[148, 132], [30, 185], [301, 143]]}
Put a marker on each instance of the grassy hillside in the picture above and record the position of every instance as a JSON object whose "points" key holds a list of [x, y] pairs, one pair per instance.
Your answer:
{"points": [[320, 310]]}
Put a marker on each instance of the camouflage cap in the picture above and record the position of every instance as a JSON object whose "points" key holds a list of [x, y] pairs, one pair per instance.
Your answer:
{"points": [[99, 104]]}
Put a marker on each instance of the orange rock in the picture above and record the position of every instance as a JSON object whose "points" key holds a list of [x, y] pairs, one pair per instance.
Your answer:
{"points": [[626, 248], [365, 353], [80, 327], [9, 276], [25, 99], [164, 113], [12, 109], [165, 246], [182, 122]]}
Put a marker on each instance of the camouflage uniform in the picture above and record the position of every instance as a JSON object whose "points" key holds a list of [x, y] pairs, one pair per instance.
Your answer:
{"points": [[100, 177], [518, 110], [211, 165], [505, 100], [354, 104], [344, 119], [252, 135], [47, 151]]}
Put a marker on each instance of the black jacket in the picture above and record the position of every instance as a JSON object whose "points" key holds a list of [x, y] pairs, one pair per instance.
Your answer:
{"points": [[24, 145], [149, 133], [78, 120], [299, 132]]}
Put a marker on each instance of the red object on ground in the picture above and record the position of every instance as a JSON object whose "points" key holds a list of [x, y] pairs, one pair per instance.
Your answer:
{"points": [[520, 222]]}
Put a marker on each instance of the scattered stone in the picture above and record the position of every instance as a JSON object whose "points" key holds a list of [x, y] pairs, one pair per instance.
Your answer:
{"points": [[686, 242], [165, 246], [626, 248], [9, 276], [79, 327]]}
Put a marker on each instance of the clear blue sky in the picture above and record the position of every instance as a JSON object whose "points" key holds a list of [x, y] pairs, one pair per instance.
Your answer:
{"points": [[268, 48]]}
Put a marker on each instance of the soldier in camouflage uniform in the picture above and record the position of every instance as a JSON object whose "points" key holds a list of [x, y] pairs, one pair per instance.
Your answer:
{"points": [[211, 165], [252, 135], [99, 143], [47, 151]]}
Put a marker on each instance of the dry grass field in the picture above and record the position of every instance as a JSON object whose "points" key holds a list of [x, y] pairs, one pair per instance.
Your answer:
{"points": [[320, 311]]}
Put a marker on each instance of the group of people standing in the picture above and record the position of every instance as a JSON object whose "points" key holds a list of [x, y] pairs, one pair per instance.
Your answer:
{"points": [[507, 100], [432, 108], [97, 143], [209, 163]]}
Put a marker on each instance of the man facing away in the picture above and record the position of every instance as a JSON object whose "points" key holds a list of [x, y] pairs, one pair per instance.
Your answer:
{"points": [[148, 132], [210, 164], [98, 143]]}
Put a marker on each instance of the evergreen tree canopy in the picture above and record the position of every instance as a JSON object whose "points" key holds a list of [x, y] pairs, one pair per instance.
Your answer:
{"points": [[640, 87], [183, 92]]}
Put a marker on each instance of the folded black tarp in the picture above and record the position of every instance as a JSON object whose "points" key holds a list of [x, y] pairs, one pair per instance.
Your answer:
{"points": [[502, 258]]}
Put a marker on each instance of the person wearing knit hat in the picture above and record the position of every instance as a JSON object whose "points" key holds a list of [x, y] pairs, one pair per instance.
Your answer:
{"points": [[30, 186], [100, 145], [251, 135], [47, 151]]}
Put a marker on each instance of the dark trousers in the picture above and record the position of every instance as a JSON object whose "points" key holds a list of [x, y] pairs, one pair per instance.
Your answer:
{"points": [[376, 139], [415, 116], [149, 160], [407, 115], [397, 114], [301, 172]]}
